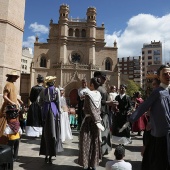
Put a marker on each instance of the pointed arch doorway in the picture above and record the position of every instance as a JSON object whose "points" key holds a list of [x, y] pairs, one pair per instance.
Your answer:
{"points": [[73, 97]]}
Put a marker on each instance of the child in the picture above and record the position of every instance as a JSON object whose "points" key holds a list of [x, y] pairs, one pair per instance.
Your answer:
{"points": [[23, 118], [72, 117]]}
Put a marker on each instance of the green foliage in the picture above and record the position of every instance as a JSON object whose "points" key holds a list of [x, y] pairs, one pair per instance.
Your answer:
{"points": [[132, 87]]}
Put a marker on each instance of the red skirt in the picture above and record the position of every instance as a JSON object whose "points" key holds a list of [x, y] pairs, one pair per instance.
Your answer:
{"points": [[140, 124]]}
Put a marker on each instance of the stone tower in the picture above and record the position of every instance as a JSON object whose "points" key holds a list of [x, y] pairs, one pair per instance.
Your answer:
{"points": [[63, 29], [91, 22], [11, 36]]}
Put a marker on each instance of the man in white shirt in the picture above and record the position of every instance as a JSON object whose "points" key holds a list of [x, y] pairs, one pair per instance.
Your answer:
{"points": [[118, 163], [111, 97]]}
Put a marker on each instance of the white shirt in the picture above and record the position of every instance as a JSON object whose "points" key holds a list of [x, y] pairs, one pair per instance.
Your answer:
{"points": [[122, 95], [81, 91], [118, 165], [112, 96]]}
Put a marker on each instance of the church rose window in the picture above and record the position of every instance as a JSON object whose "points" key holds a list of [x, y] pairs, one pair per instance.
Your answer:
{"points": [[75, 58]]}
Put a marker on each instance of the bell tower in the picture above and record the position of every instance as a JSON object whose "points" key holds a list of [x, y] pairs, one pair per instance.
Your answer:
{"points": [[63, 33], [91, 22], [11, 36]]}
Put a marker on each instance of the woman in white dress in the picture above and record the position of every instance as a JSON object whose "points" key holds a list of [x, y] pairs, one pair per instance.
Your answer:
{"points": [[66, 133]]}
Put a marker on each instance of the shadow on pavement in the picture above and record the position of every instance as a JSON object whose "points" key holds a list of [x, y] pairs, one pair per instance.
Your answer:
{"points": [[37, 163], [130, 147], [68, 152], [30, 140]]}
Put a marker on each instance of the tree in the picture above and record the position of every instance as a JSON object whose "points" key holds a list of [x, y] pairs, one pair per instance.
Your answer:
{"points": [[132, 87]]}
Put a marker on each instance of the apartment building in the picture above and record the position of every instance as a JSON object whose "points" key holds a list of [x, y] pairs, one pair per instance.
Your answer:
{"points": [[26, 60], [151, 55], [131, 66]]}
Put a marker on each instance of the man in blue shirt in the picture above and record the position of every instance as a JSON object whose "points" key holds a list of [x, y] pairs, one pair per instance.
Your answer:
{"points": [[157, 152]]}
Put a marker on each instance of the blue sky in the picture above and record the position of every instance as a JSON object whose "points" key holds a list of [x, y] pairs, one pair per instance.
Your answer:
{"points": [[130, 22]]}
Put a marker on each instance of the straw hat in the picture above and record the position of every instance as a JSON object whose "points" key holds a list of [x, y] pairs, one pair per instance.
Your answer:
{"points": [[49, 79], [13, 73]]}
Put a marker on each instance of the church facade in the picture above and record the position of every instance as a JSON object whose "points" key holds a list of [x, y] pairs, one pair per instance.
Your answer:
{"points": [[74, 50]]}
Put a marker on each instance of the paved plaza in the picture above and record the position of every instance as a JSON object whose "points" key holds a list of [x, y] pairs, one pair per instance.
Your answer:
{"points": [[29, 158]]}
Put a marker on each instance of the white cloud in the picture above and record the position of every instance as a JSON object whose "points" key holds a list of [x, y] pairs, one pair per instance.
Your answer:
{"points": [[141, 29], [29, 42], [39, 29]]}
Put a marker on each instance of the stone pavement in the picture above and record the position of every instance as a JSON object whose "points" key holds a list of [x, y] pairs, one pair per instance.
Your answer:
{"points": [[30, 159]]}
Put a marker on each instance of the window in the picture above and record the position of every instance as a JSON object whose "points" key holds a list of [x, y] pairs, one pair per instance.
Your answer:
{"points": [[22, 66], [149, 57], [70, 32], [143, 52], [157, 52], [149, 51], [107, 65], [75, 58], [83, 33], [77, 34], [149, 63], [25, 67], [43, 62]]}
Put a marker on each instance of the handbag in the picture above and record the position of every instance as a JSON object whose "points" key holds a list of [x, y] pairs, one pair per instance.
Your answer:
{"points": [[12, 111]]}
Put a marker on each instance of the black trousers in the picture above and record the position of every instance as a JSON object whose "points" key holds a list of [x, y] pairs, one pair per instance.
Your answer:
{"points": [[15, 147], [155, 156]]}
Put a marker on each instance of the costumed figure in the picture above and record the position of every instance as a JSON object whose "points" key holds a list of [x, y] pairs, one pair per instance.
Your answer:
{"points": [[90, 131], [157, 151], [140, 124], [81, 92], [10, 100], [51, 137], [106, 135], [111, 97], [121, 131], [65, 124], [34, 116]]}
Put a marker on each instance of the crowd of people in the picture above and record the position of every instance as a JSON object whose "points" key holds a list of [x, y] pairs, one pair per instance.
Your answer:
{"points": [[102, 117]]}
